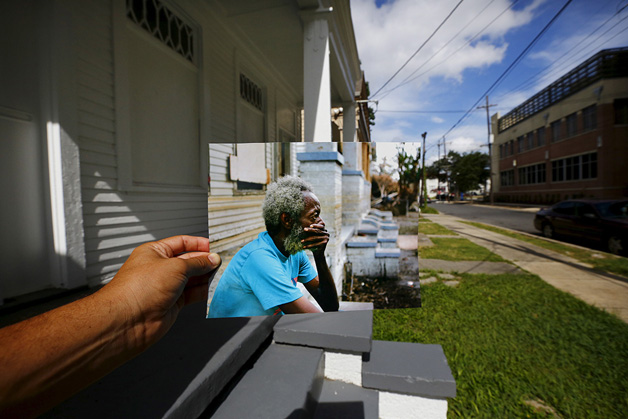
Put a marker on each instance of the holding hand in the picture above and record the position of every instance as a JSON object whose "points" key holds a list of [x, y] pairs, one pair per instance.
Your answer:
{"points": [[316, 238]]}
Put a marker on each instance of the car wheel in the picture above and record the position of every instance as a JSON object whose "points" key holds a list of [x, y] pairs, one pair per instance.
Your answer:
{"points": [[548, 230], [615, 245]]}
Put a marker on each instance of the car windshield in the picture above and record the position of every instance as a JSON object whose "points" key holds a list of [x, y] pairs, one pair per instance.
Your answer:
{"points": [[618, 209]]}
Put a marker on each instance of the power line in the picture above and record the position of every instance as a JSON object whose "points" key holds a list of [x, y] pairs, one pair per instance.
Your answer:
{"points": [[581, 51], [406, 81], [512, 65], [420, 48]]}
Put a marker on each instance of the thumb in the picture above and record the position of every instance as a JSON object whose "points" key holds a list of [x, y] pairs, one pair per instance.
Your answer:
{"points": [[202, 264]]}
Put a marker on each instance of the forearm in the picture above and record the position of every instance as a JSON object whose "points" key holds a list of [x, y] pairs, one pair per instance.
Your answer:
{"points": [[327, 296], [50, 357]]}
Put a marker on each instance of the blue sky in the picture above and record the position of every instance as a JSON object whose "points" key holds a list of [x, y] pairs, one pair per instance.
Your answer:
{"points": [[466, 56]]}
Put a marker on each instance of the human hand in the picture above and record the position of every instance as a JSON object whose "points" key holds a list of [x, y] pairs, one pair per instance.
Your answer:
{"points": [[316, 238], [159, 279]]}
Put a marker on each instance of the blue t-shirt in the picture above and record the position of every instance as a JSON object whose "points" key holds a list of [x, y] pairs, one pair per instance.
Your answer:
{"points": [[258, 279]]}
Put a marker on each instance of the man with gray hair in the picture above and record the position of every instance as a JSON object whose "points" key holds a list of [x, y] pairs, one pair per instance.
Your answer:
{"points": [[262, 277]]}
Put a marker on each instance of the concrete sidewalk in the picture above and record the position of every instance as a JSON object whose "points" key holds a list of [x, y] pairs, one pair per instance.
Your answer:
{"points": [[606, 291]]}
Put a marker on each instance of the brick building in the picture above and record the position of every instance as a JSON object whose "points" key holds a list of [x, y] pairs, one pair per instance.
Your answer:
{"points": [[568, 141]]}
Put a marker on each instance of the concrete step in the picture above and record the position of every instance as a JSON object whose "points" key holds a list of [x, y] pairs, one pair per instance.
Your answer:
{"points": [[340, 400], [388, 238], [286, 381], [384, 215]]}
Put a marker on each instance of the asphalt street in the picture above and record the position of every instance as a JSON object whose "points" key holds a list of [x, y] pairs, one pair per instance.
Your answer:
{"points": [[512, 218]]}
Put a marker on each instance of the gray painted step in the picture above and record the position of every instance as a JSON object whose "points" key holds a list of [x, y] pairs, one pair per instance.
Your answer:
{"points": [[340, 400], [286, 381], [350, 331], [411, 368], [179, 375]]}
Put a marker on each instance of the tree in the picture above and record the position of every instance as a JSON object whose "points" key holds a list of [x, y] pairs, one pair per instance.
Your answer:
{"points": [[371, 112], [385, 183], [409, 174], [468, 171]]}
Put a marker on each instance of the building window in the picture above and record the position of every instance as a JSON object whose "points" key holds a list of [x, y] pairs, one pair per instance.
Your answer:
{"points": [[251, 92], [530, 141], [507, 177], [555, 127], [520, 144], [580, 167], [501, 151], [589, 118], [163, 24], [511, 147], [540, 134], [572, 124], [530, 175], [621, 111]]}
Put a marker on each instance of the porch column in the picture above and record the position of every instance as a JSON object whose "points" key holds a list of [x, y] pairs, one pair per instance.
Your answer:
{"points": [[316, 76], [349, 131], [321, 166]]}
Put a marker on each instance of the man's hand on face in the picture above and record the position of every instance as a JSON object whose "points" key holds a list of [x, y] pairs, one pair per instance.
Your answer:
{"points": [[316, 238]]}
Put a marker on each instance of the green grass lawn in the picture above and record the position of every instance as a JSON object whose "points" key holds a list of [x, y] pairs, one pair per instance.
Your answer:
{"points": [[457, 249], [513, 338], [428, 210], [602, 261], [434, 229]]}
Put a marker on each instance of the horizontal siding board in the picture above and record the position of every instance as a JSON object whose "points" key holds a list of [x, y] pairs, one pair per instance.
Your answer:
{"points": [[100, 159], [98, 171], [116, 197], [97, 134], [91, 182], [87, 144], [97, 121], [139, 207], [142, 227], [137, 239], [107, 220]]}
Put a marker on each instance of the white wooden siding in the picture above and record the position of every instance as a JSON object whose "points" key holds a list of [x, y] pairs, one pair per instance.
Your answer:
{"points": [[115, 223]]}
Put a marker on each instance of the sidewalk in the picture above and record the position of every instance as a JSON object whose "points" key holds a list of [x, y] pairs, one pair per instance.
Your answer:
{"points": [[606, 291]]}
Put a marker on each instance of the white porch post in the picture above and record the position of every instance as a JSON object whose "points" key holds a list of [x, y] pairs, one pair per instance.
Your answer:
{"points": [[349, 131], [316, 76]]}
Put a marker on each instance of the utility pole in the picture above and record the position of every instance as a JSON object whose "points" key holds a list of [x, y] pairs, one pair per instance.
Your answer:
{"points": [[438, 174], [423, 196], [488, 143]]}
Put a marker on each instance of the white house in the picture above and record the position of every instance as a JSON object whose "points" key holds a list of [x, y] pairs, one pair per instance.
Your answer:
{"points": [[107, 108]]}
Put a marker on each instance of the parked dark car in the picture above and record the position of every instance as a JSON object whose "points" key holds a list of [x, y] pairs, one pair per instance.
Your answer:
{"points": [[604, 222]]}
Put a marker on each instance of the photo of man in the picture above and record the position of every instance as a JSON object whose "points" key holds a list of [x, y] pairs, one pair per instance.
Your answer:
{"points": [[262, 277]]}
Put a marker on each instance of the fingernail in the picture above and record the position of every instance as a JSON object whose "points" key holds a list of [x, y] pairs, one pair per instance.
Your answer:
{"points": [[214, 258]]}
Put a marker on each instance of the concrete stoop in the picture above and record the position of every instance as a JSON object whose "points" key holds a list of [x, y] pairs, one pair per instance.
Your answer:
{"points": [[298, 366], [373, 251]]}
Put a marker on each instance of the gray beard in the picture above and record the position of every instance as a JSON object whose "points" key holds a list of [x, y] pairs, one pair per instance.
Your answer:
{"points": [[292, 244]]}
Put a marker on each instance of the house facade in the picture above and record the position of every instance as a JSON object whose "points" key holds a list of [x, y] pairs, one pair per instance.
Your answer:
{"points": [[107, 108], [568, 141]]}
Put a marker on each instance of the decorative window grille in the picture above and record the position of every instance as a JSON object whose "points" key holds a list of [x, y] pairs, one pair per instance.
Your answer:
{"points": [[251, 92], [163, 24]]}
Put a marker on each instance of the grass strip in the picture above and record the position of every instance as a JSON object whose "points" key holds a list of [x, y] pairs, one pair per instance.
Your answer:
{"points": [[428, 210], [457, 249], [513, 338], [435, 229], [599, 260]]}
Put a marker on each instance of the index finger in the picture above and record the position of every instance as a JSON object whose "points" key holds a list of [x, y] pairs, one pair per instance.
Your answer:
{"points": [[182, 244]]}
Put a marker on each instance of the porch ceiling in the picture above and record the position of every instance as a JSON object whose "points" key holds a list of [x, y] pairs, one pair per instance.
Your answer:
{"points": [[274, 31]]}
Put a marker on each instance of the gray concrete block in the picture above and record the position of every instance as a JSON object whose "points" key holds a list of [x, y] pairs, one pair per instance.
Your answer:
{"points": [[362, 241], [178, 376], [349, 331], [382, 252], [340, 400], [410, 368], [286, 381]]}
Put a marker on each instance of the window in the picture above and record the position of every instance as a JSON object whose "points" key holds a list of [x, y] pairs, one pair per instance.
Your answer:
{"points": [[540, 134], [621, 111], [501, 151], [520, 144], [251, 92], [511, 147], [572, 124], [507, 177], [530, 140], [589, 117], [565, 208], [580, 167], [163, 24], [555, 127], [530, 175]]}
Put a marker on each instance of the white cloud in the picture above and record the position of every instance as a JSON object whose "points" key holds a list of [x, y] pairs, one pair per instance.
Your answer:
{"points": [[437, 120]]}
